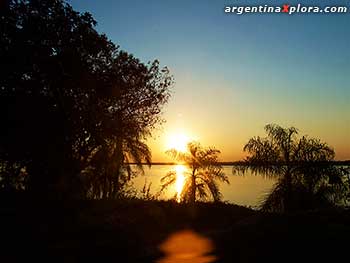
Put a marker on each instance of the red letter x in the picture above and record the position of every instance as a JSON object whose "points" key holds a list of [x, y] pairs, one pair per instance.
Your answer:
{"points": [[285, 8]]}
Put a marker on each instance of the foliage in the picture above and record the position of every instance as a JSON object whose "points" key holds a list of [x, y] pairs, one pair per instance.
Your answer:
{"points": [[13, 177], [146, 193], [205, 171], [75, 109], [307, 178]]}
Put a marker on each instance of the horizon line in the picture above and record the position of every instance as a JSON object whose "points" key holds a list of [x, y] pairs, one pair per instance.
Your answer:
{"points": [[224, 163]]}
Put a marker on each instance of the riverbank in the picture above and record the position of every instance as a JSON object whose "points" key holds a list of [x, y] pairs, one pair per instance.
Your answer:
{"points": [[132, 231]]}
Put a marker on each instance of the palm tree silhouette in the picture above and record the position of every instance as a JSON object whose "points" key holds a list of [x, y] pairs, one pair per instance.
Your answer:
{"points": [[307, 178], [109, 166], [204, 173]]}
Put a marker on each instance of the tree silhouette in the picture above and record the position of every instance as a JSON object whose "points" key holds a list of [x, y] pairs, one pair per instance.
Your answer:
{"points": [[307, 178], [71, 101], [205, 171], [129, 120]]}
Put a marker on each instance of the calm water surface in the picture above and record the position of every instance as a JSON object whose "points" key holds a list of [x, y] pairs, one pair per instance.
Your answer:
{"points": [[246, 190]]}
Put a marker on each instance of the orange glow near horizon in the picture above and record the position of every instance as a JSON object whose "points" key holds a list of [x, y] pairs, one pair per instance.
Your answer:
{"points": [[230, 139], [178, 141]]}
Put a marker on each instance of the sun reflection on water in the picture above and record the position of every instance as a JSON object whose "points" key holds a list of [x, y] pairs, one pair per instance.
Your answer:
{"points": [[180, 180]]}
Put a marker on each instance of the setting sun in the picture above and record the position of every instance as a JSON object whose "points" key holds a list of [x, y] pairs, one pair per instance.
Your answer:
{"points": [[178, 142]]}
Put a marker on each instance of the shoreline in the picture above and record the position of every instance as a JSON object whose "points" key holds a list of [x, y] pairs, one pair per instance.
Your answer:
{"points": [[133, 230]]}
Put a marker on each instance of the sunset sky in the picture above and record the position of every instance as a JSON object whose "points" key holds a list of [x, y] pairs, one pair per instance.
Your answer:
{"points": [[236, 73]]}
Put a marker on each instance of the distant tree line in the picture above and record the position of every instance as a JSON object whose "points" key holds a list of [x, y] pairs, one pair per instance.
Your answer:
{"points": [[74, 108]]}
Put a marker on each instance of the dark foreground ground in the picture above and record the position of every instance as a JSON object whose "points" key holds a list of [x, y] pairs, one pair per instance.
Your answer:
{"points": [[132, 231]]}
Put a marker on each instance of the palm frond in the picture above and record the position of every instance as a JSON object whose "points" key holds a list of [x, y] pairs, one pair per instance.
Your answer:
{"points": [[205, 171]]}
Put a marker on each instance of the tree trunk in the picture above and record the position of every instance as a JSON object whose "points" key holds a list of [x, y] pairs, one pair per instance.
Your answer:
{"points": [[193, 187]]}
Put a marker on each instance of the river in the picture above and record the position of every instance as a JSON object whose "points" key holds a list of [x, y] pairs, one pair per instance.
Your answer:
{"points": [[247, 190]]}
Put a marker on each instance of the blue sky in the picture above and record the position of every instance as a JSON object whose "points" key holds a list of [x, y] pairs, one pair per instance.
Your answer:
{"points": [[239, 72]]}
